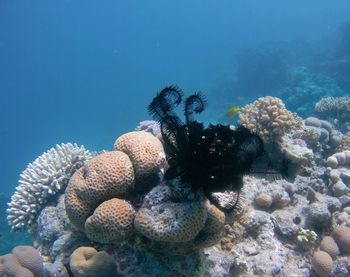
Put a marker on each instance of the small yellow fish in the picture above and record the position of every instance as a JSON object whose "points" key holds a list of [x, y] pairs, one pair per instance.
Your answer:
{"points": [[233, 111]]}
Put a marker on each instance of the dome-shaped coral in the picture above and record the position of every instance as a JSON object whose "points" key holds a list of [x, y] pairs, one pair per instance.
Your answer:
{"points": [[105, 176], [9, 266], [146, 154], [322, 263], [111, 221], [24, 261], [29, 257], [329, 245], [172, 222], [87, 262], [341, 235]]}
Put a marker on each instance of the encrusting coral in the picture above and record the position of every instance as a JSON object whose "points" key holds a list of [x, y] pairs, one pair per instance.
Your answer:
{"points": [[42, 179], [88, 262]]}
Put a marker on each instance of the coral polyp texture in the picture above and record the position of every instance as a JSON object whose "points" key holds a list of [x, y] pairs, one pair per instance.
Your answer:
{"points": [[146, 154], [111, 222], [105, 176], [41, 180], [88, 262], [269, 118], [23, 261]]}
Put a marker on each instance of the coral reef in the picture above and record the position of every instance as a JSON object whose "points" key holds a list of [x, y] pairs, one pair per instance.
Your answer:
{"points": [[42, 179], [173, 200], [88, 262], [23, 261], [269, 118], [335, 109]]}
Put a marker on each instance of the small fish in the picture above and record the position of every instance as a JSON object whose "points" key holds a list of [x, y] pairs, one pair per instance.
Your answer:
{"points": [[233, 111]]}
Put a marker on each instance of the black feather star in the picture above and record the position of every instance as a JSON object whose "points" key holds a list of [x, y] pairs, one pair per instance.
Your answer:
{"points": [[212, 158]]}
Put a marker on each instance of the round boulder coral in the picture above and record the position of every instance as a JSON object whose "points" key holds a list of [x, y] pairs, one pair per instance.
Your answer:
{"points": [[341, 235], [330, 246], [87, 262], [9, 266], [28, 257], [147, 155], [171, 222], [111, 221], [322, 263], [105, 176]]}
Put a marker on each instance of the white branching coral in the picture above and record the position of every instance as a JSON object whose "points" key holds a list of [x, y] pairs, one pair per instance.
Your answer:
{"points": [[269, 118], [41, 180], [336, 107]]}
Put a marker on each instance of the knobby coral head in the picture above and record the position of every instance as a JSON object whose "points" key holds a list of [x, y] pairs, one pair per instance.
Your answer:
{"points": [[213, 158]]}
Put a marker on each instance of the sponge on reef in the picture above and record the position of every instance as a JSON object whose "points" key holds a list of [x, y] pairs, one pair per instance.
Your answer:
{"points": [[111, 221], [105, 176], [87, 262]]}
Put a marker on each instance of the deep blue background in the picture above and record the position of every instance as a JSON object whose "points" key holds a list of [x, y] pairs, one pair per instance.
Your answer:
{"points": [[84, 71]]}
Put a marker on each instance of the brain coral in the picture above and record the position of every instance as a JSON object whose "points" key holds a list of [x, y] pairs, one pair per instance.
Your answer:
{"points": [[213, 228], [146, 154], [338, 159], [105, 176], [9, 266], [329, 245], [269, 118], [342, 236], [24, 261], [87, 262], [171, 222], [322, 263], [29, 258], [111, 221], [43, 178]]}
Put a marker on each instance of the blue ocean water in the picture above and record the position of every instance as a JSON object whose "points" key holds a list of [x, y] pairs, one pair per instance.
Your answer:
{"points": [[85, 71]]}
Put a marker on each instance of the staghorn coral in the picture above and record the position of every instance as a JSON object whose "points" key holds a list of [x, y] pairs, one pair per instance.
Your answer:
{"points": [[171, 222], [269, 118], [41, 180], [105, 176], [146, 154], [88, 262], [111, 221]]}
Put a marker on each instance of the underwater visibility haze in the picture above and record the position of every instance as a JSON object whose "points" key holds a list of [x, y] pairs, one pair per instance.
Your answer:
{"points": [[175, 138]]}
